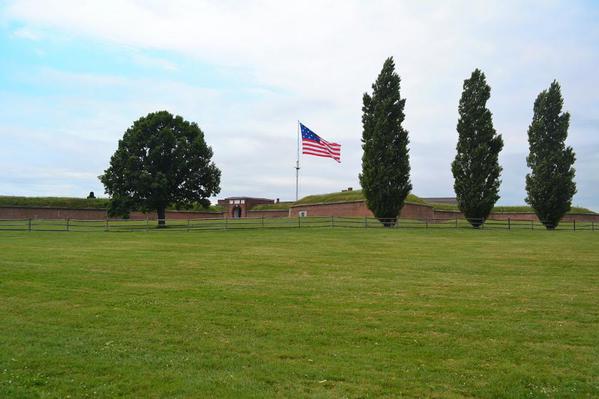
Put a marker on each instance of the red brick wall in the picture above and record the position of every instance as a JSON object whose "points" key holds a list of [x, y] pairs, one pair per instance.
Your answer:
{"points": [[354, 208], [15, 212], [446, 214], [182, 215], [274, 213], [359, 209], [583, 217], [520, 216], [417, 211]]}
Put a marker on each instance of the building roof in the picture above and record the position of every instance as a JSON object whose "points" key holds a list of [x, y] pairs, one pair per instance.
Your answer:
{"points": [[248, 198]]}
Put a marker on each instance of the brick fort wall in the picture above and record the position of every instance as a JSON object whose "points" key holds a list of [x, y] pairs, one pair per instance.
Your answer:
{"points": [[419, 212], [18, 212]]}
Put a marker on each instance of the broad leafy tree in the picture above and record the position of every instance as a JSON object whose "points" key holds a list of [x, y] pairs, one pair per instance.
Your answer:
{"points": [[550, 185], [385, 176], [161, 160], [476, 168]]}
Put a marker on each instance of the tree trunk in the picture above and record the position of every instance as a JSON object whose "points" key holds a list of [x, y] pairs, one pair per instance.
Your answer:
{"points": [[475, 222], [161, 217], [388, 222]]}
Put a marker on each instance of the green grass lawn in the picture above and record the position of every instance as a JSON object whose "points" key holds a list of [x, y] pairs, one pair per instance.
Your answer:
{"points": [[300, 313]]}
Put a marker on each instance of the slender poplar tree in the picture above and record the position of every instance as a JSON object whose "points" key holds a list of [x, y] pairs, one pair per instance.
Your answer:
{"points": [[550, 185], [385, 176], [476, 168]]}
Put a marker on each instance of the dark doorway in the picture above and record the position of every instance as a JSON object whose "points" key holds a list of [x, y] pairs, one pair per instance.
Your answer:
{"points": [[236, 212]]}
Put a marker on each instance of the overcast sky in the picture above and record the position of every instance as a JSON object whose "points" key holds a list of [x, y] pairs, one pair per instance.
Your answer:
{"points": [[74, 75]]}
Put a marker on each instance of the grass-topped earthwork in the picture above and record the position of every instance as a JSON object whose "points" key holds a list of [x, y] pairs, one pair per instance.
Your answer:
{"points": [[354, 195], [277, 206], [510, 209], [80, 203], [60, 202]]}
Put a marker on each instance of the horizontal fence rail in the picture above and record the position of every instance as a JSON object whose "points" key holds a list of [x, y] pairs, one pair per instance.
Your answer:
{"points": [[79, 225]]}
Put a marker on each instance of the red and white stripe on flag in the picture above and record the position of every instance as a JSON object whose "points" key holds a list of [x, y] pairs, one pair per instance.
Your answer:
{"points": [[322, 148]]}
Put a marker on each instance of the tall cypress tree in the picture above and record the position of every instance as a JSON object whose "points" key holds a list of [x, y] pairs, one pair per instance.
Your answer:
{"points": [[476, 168], [550, 185], [385, 176]]}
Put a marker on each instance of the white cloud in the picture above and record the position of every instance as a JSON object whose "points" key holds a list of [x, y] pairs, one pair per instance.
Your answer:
{"points": [[26, 33], [155, 62]]}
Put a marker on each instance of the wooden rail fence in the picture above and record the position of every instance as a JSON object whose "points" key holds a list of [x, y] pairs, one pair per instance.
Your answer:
{"points": [[76, 225]]}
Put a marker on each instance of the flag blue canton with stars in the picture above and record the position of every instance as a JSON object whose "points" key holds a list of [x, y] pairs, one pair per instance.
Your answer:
{"points": [[308, 134]]}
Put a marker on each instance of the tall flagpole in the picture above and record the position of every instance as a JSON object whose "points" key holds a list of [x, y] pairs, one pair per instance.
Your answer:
{"points": [[297, 166]]}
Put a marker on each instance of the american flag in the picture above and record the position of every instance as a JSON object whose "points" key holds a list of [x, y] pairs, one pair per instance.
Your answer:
{"points": [[312, 144]]}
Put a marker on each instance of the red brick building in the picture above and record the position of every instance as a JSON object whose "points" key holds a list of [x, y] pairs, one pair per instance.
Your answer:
{"points": [[238, 207]]}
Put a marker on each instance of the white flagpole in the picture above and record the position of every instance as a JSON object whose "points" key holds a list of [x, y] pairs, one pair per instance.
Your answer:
{"points": [[297, 164]]}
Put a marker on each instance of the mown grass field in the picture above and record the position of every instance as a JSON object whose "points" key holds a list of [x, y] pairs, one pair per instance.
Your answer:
{"points": [[300, 313]]}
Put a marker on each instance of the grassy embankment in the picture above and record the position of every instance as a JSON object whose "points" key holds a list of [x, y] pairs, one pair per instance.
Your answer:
{"points": [[509, 209], [297, 313], [355, 195], [77, 203], [59, 202], [273, 207]]}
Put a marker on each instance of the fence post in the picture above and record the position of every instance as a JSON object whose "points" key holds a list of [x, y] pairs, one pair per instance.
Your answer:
{"points": [[147, 223], [262, 220], [592, 225], [532, 224], [29, 227], [299, 221], [106, 225], [426, 223], [226, 222], [574, 225], [68, 220], [509, 223], [365, 222], [188, 223], [456, 222], [332, 221]]}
